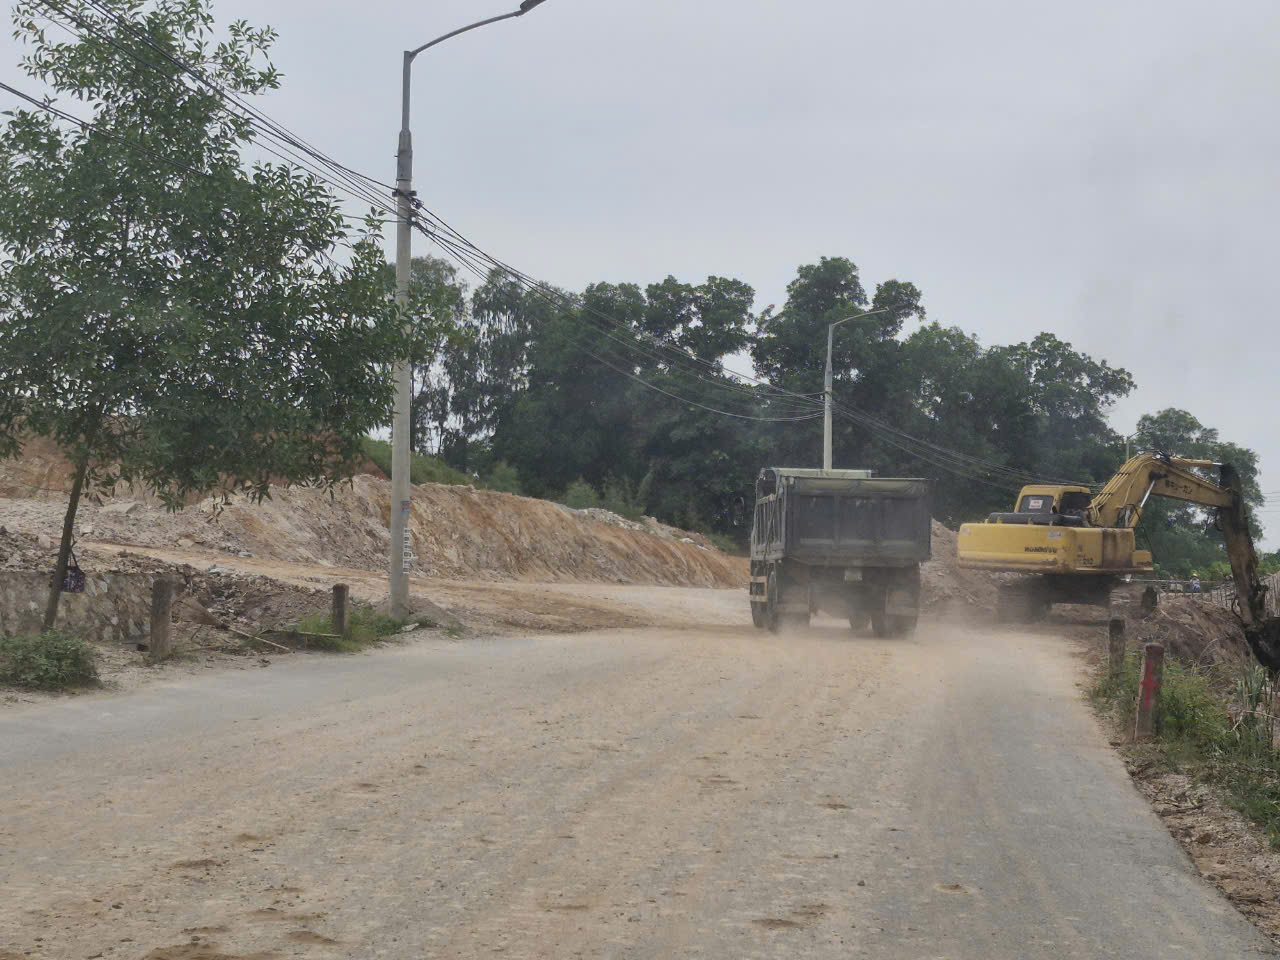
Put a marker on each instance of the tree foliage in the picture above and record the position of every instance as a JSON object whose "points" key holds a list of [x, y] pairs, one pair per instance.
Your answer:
{"points": [[1184, 538], [173, 318], [572, 393]]}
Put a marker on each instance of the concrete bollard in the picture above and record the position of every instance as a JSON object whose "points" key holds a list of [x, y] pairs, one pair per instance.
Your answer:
{"points": [[340, 594], [1149, 691], [1116, 648], [160, 644]]}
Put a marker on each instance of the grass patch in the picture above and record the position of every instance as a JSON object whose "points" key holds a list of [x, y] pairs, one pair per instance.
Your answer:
{"points": [[727, 544], [581, 496], [54, 660], [1213, 724], [421, 469], [365, 626]]}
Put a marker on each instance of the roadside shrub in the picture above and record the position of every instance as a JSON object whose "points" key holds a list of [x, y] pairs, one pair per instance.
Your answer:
{"points": [[503, 478], [54, 660], [619, 498], [581, 495], [1214, 724], [1189, 708], [727, 544], [421, 469]]}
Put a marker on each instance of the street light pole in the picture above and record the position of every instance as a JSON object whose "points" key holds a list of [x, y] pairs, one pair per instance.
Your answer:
{"points": [[826, 385], [1126, 445], [401, 555]]}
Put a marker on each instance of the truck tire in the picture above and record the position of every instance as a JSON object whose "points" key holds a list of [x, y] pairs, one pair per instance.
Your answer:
{"points": [[771, 607], [757, 615], [901, 626], [859, 621]]}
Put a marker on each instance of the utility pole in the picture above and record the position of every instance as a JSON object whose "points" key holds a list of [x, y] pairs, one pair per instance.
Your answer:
{"points": [[826, 384], [401, 554]]}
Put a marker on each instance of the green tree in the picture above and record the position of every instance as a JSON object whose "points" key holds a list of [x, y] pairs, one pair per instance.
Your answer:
{"points": [[1070, 394], [439, 315], [1183, 538], [571, 413], [172, 318], [791, 352]]}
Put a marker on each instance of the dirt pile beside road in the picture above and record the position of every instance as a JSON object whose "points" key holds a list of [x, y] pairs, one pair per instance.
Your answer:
{"points": [[458, 533], [944, 584], [1190, 628]]}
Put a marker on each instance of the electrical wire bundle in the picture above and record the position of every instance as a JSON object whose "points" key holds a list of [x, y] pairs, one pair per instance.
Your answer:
{"points": [[613, 343]]}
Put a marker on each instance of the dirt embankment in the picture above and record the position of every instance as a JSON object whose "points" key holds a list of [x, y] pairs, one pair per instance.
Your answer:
{"points": [[944, 585], [458, 532], [1191, 629]]}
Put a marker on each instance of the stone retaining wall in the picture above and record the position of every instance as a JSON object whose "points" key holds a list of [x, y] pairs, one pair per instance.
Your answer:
{"points": [[114, 608]]}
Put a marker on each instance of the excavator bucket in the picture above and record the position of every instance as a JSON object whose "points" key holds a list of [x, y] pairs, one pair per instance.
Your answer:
{"points": [[1261, 632]]}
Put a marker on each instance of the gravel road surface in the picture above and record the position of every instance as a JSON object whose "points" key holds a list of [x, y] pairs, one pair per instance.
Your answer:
{"points": [[709, 792]]}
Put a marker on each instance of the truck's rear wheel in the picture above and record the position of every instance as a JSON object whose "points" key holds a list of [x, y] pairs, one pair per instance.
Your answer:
{"points": [[757, 615], [901, 626], [875, 612], [771, 604]]}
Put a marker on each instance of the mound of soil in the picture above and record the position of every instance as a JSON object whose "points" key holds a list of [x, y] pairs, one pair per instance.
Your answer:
{"points": [[944, 584], [1190, 628], [458, 533]]}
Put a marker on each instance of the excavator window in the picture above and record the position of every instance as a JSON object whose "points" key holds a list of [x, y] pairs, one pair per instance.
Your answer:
{"points": [[1074, 502], [1036, 503]]}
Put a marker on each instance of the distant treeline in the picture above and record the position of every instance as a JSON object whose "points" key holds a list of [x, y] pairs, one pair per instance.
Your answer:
{"points": [[621, 389]]}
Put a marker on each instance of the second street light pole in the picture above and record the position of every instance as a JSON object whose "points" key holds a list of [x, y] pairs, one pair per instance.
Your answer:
{"points": [[401, 554], [826, 385]]}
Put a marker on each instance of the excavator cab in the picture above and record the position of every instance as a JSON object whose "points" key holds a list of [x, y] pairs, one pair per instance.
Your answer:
{"points": [[1048, 505]]}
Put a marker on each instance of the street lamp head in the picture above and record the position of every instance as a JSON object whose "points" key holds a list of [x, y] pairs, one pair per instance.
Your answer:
{"points": [[528, 5], [861, 316]]}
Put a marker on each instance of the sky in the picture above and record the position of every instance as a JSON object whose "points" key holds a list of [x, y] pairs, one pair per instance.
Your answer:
{"points": [[1101, 170]]}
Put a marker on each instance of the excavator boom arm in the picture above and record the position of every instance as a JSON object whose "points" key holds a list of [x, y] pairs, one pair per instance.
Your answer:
{"points": [[1120, 502], [1240, 553]]}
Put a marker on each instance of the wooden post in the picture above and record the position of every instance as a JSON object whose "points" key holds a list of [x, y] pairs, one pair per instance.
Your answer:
{"points": [[161, 618], [1117, 648], [1149, 691], [340, 593]]}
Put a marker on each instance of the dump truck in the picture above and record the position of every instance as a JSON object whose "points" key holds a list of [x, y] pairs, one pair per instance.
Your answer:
{"points": [[842, 542], [1080, 544]]}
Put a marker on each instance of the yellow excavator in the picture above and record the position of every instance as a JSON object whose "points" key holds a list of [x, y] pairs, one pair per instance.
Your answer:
{"points": [[1080, 544]]}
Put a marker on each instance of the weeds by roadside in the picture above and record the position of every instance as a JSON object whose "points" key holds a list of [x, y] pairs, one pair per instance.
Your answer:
{"points": [[54, 660], [1214, 724], [365, 626]]}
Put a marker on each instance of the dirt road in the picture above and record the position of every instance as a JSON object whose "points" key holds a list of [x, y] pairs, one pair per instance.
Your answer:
{"points": [[712, 792]]}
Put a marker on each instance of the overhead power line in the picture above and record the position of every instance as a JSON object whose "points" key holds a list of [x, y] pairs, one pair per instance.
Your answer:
{"points": [[479, 272], [926, 451], [297, 151]]}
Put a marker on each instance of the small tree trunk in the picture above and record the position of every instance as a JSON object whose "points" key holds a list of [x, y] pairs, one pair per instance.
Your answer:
{"points": [[64, 550]]}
